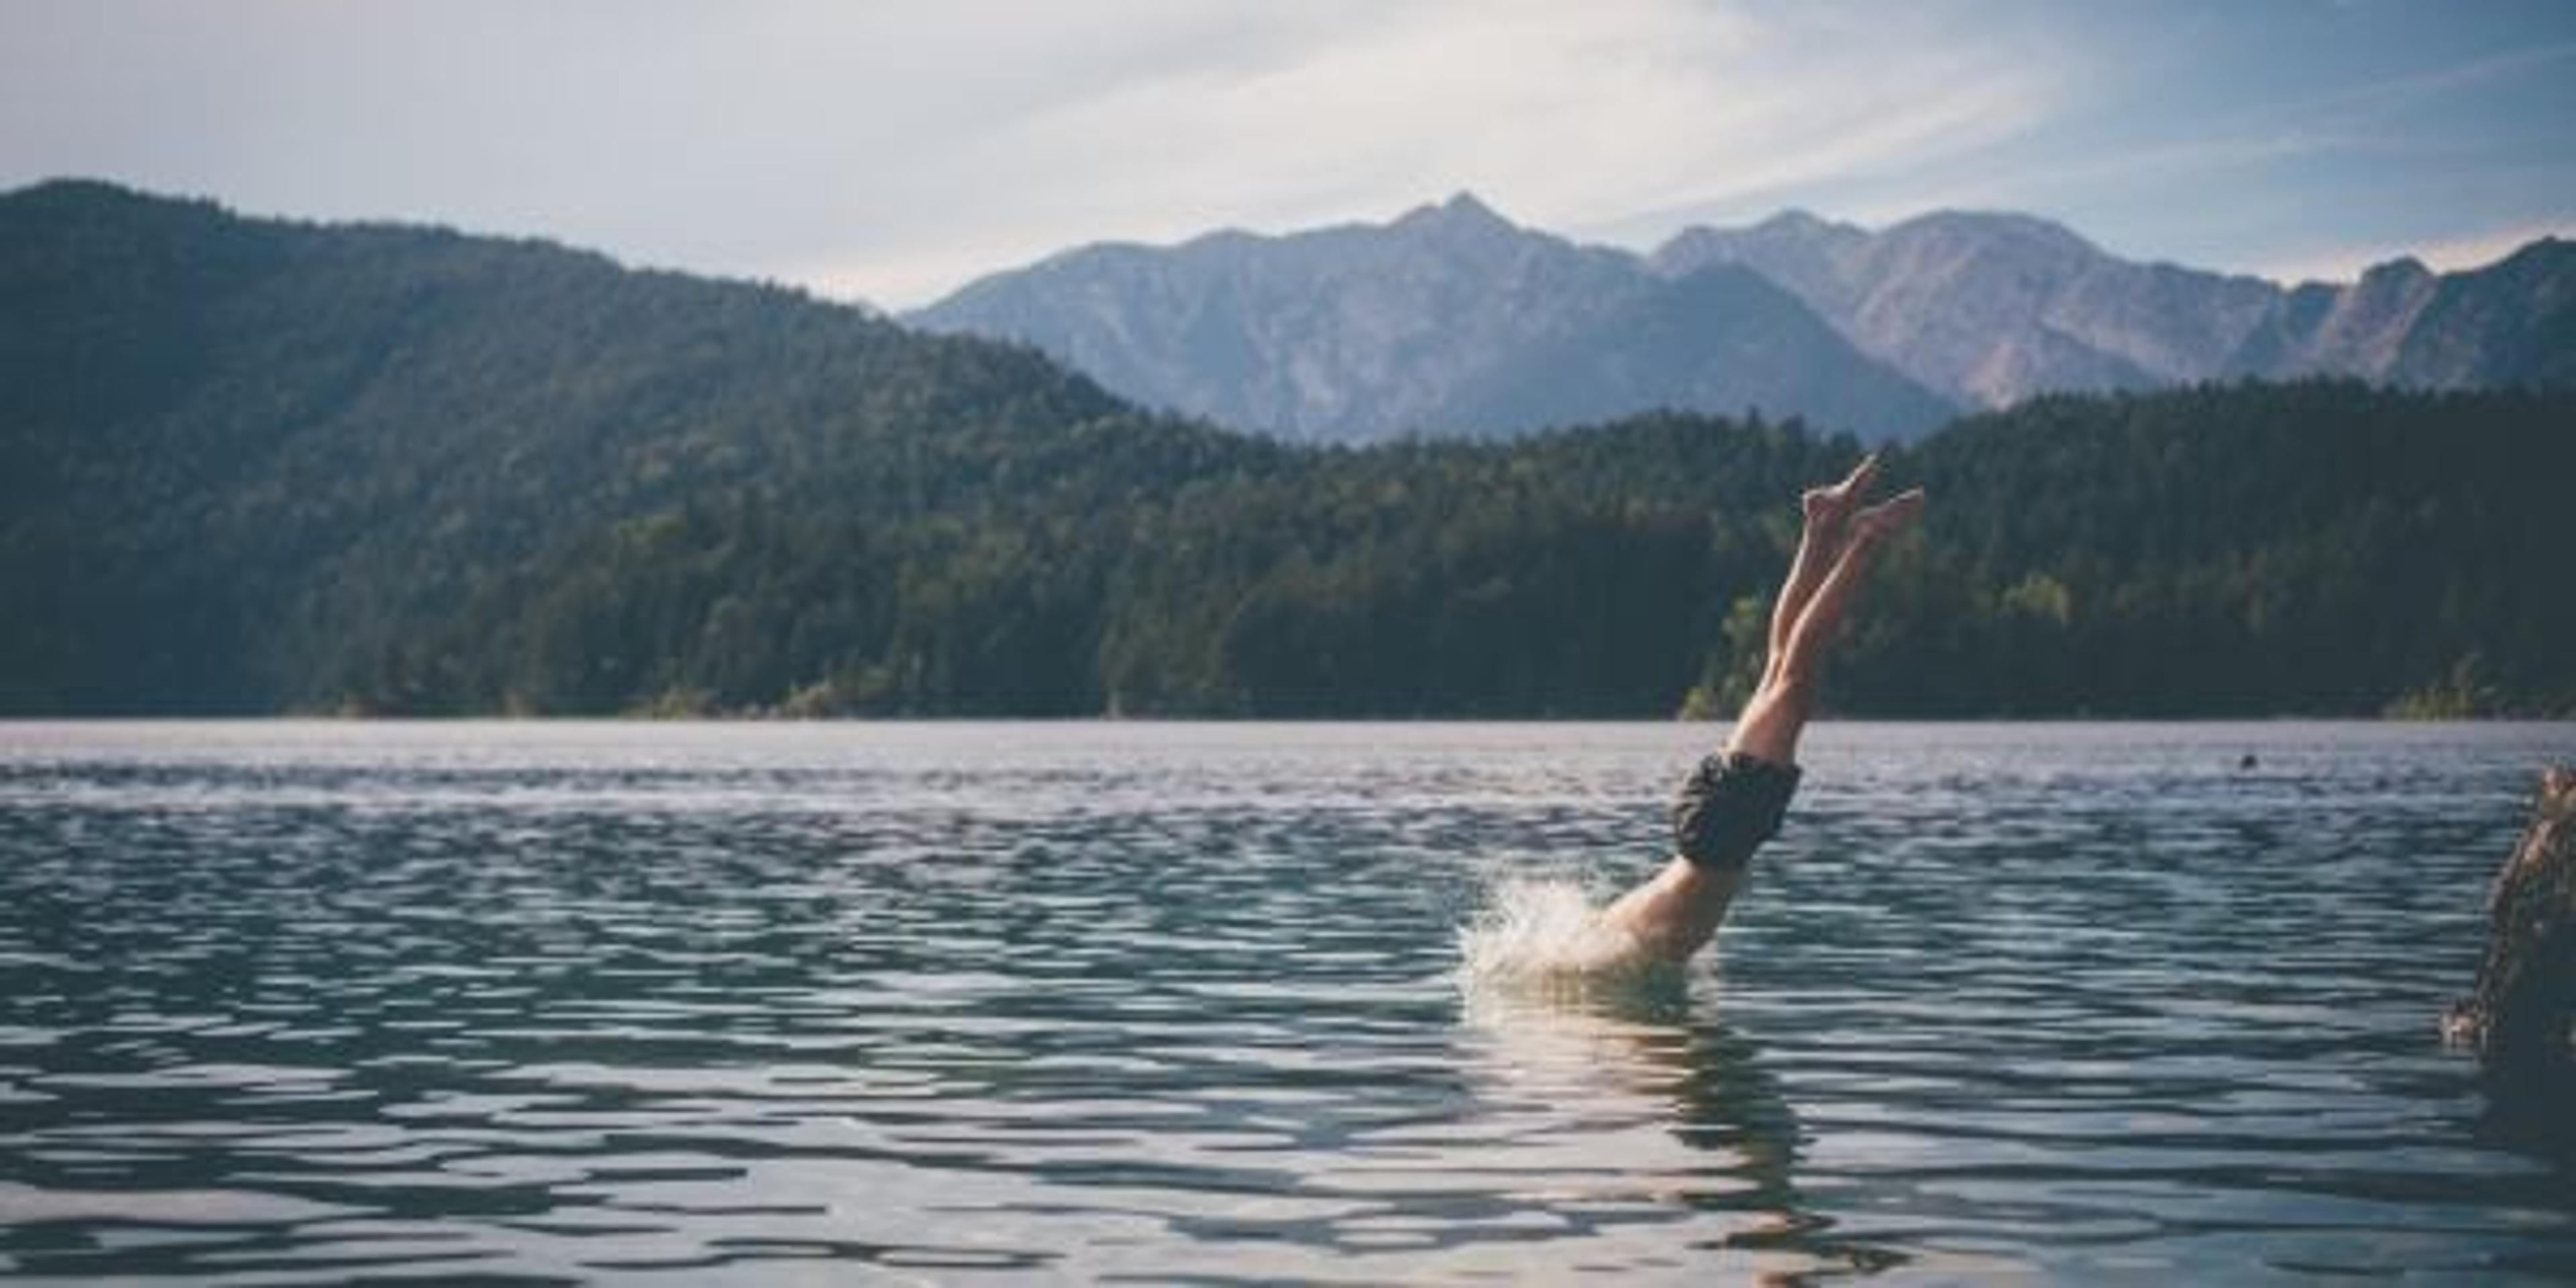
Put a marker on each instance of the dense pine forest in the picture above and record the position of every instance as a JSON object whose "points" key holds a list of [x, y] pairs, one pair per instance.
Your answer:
{"points": [[252, 466]]}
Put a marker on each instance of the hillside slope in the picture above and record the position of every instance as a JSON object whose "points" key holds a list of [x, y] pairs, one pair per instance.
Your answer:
{"points": [[236, 455]]}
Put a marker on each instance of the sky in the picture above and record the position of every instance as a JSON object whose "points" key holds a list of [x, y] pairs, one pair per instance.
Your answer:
{"points": [[892, 150]]}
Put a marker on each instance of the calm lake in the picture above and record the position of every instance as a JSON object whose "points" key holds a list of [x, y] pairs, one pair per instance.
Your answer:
{"points": [[975, 1003]]}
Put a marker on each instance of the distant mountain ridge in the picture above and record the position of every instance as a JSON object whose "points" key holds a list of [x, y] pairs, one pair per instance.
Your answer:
{"points": [[1453, 319], [1450, 319], [1991, 309]]}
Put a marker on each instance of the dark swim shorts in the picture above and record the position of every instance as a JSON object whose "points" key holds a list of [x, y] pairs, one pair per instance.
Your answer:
{"points": [[1732, 803]]}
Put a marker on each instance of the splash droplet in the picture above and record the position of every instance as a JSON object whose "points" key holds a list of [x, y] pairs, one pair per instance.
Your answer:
{"points": [[1543, 934]]}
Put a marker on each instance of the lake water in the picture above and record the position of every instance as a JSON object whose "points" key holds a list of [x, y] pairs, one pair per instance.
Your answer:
{"points": [[1010, 1002]]}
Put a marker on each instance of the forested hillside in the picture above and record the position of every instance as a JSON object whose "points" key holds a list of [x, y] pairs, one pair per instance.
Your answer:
{"points": [[239, 458], [253, 466]]}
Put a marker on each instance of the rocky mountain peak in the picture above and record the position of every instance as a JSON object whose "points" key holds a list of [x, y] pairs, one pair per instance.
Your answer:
{"points": [[1805, 225], [1993, 231], [1462, 217], [2396, 272]]}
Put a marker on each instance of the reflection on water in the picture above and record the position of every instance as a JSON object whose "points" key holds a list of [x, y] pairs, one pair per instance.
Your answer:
{"points": [[312, 1002], [1625, 1098]]}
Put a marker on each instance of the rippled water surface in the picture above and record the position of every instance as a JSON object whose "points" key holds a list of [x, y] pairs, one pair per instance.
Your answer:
{"points": [[973, 1003]]}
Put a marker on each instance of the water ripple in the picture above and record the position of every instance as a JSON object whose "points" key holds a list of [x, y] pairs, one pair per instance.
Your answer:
{"points": [[299, 1003]]}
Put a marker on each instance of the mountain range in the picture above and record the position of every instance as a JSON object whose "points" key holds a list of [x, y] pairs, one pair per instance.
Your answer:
{"points": [[256, 465], [1453, 319], [1450, 319]]}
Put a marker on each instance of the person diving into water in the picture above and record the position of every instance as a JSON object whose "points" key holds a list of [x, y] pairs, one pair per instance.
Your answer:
{"points": [[1736, 798]]}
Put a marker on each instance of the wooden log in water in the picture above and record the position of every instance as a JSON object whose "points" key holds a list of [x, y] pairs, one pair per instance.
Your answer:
{"points": [[2526, 987]]}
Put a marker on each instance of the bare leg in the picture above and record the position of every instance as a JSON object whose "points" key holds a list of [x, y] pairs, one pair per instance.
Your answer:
{"points": [[1777, 714], [1679, 908], [1828, 512]]}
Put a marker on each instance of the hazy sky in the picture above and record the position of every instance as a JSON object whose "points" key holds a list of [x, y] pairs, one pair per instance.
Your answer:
{"points": [[890, 150]]}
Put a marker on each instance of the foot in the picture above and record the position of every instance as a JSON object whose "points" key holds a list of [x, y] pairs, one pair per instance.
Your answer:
{"points": [[1871, 524], [1828, 509]]}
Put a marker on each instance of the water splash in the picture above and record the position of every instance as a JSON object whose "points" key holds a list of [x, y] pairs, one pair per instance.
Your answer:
{"points": [[1544, 935]]}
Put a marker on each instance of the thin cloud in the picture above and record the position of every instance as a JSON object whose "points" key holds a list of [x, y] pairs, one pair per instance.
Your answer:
{"points": [[1594, 121], [2377, 98], [892, 152]]}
